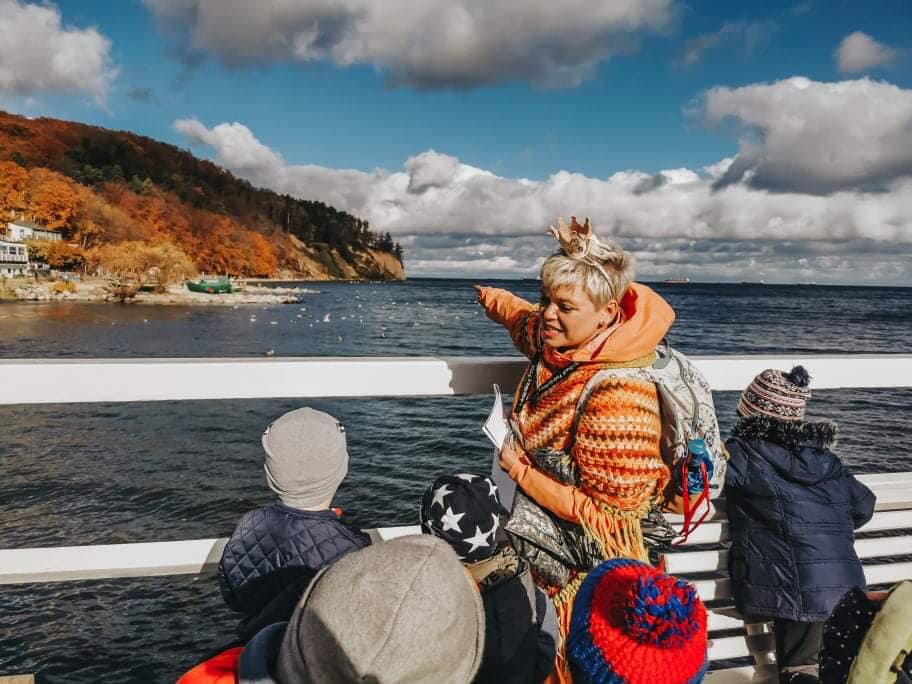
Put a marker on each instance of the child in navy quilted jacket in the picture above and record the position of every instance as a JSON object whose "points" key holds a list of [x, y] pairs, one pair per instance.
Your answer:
{"points": [[792, 510], [276, 550]]}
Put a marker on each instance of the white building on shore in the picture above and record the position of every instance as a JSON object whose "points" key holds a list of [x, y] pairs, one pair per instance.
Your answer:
{"points": [[21, 230], [13, 258]]}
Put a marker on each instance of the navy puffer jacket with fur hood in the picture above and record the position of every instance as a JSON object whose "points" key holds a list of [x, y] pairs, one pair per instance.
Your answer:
{"points": [[792, 508]]}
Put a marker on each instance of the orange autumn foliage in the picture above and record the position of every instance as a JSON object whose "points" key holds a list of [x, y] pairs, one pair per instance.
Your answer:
{"points": [[52, 199], [114, 215], [13, 184], [162, 262], [98, 221], [263, 259], [218, 243], [224, 246], [103, 187], [58, 254]]}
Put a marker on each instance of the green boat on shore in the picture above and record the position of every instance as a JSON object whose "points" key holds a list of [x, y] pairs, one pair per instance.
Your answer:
{"points": [[220, 285]]}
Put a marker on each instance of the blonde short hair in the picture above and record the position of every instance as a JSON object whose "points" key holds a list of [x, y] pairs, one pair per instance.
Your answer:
{"points": [[603, 283]]}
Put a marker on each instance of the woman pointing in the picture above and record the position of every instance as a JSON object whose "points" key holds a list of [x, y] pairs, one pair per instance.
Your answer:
{"points": [[592, 461]]}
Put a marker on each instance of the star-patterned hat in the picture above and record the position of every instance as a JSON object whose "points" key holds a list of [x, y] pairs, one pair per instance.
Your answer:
{"points": [[464, 510]]}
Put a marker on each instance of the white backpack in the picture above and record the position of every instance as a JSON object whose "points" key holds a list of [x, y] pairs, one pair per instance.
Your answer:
{"points": [[686, 407]]}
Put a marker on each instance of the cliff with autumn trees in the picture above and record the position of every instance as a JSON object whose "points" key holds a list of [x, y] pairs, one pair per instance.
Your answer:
{"points": [[103, 188]]}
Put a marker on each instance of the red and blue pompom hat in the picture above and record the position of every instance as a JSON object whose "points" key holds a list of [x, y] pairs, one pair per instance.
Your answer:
{"points": [[633, 624]]}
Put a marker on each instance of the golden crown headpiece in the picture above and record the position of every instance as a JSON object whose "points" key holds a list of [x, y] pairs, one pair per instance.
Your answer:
{"points": [[577, 241]]}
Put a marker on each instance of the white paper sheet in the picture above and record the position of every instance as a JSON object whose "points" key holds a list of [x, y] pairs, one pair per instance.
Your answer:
{"points": [[496, 427]]}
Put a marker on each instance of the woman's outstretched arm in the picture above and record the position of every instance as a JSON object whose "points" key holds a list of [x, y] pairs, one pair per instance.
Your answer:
{"points": [[517, 315]]}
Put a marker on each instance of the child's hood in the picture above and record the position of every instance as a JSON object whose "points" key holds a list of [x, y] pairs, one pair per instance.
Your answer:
{"points": [[798, 450]]}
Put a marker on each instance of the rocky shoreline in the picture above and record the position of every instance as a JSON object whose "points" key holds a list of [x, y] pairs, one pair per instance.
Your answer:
{"points": [[93, 291]]}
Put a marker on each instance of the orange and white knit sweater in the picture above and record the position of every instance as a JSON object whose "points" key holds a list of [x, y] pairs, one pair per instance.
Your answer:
{"points": [[616, 449]]}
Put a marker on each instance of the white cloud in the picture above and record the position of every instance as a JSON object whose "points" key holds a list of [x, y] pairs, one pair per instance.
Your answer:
{"points": [[859, 52], [834, 153], [39, 54], [435, 193], [799, 135], [428, 44], [717, 170], [238, 149], [431, 170]]}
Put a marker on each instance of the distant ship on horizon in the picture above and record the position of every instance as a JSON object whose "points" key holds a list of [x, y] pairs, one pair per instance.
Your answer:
{"points": [[676, 281]]}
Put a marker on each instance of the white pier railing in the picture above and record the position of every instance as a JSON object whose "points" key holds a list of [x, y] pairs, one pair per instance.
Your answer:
{"points": [[201, 556], [58, 381], [44, 381]]}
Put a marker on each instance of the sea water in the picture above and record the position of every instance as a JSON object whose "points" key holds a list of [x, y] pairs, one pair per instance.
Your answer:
{"points": [[112, 473]]}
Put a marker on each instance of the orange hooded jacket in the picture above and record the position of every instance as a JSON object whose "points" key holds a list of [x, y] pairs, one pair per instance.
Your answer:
{"points": [[647, 320]]}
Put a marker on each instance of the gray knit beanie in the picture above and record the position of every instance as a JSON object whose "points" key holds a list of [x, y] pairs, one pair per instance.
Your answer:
{"points": [[306, 457], [404, 610]]}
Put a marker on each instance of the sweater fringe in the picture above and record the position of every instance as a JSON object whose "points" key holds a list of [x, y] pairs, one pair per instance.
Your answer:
{"points": [[619, 533], [563, 605]]}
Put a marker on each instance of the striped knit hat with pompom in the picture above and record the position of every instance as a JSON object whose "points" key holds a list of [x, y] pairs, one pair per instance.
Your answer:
{"points": [[776, 394], [633, 623]]}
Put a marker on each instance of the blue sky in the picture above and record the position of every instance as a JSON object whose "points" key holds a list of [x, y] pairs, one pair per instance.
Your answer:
{"points": [[630, 115], [611, 94]]}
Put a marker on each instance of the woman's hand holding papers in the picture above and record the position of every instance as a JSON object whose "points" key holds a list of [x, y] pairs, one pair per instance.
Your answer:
{"points": [[510, 453]]}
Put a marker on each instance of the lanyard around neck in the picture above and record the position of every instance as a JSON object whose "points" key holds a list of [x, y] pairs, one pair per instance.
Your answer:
{"points": [[528, 394]]}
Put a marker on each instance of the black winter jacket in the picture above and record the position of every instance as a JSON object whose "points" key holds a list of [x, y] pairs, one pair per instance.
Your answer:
{"points": [[792, 509], [520, 643], [273, 554]]}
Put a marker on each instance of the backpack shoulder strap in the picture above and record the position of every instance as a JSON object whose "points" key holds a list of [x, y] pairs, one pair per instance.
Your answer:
{"points": [[664, 354]]}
